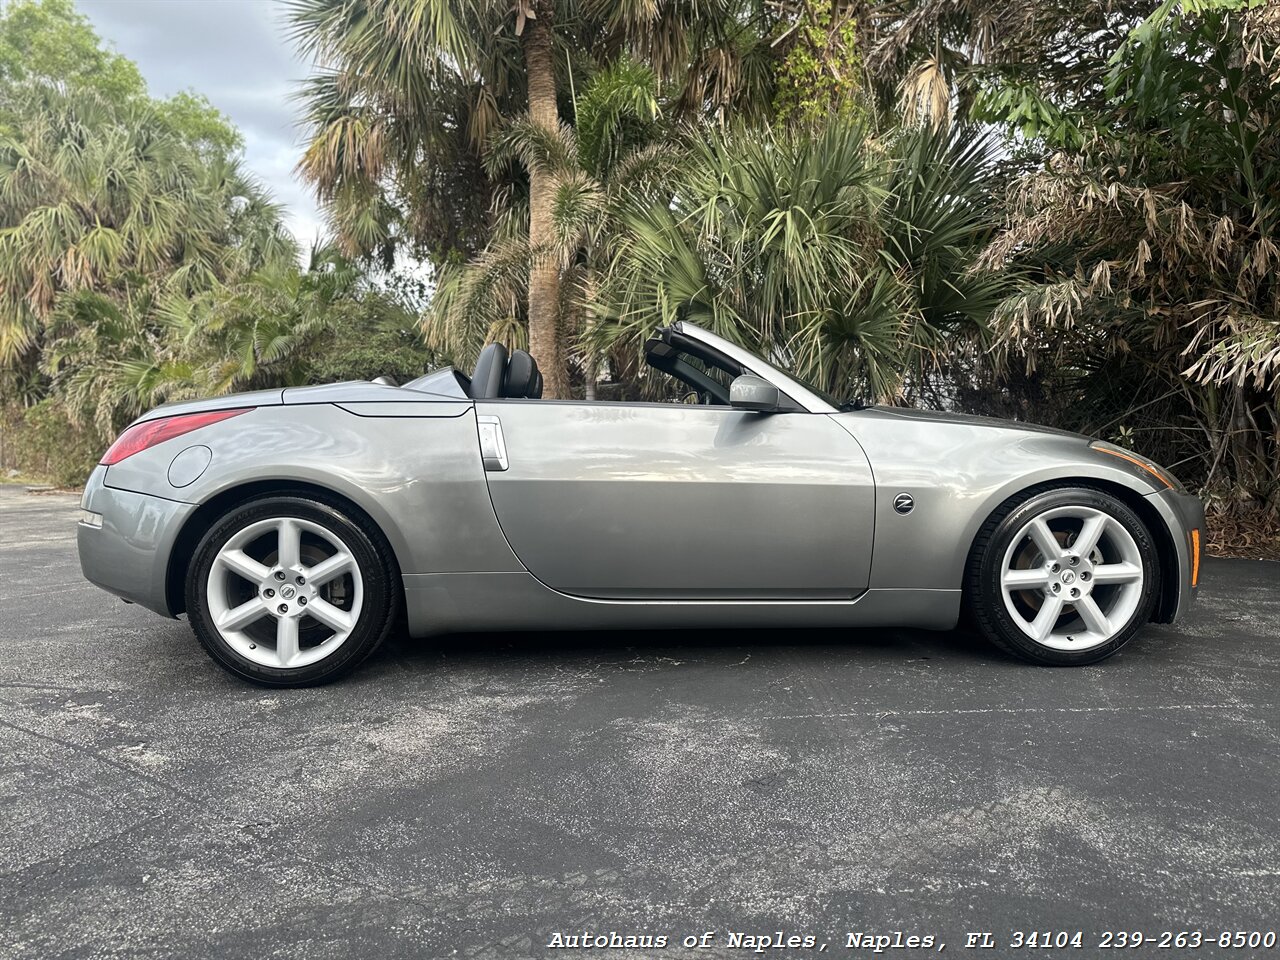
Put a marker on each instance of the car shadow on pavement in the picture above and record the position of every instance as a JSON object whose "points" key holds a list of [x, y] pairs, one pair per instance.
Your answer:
{"points": [[880, 644]]}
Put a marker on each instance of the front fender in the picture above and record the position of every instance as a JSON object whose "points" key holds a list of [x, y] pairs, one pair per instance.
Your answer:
{"points": [[958, 474]]}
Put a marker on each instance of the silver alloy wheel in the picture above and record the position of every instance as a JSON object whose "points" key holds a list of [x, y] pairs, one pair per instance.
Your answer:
{"points": [[1072, 578], [282, 588]]}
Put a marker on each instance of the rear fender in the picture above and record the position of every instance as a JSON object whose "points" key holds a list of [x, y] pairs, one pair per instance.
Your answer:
{"points": [[419, 478]]}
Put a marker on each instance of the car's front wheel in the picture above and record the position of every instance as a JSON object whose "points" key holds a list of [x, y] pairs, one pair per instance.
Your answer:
{"points": [[1063, 577], [291, 591]]}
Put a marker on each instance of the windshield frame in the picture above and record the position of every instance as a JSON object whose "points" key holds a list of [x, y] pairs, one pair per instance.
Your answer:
{"points": [[808, 397]]}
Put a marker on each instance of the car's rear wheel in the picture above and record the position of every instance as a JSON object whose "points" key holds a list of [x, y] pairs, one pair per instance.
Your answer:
{"points": [[291, 591], [1064, 577]]}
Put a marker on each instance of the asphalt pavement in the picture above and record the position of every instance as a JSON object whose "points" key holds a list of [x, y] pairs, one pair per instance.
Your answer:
{"points": [[486, 796]]}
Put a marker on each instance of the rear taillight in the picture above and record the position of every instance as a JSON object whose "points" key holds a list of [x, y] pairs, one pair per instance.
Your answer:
{"points": [[150, 432]]}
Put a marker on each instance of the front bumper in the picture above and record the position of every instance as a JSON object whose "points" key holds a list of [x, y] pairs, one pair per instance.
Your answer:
{"points": [[1183, 514], [128, 555]]}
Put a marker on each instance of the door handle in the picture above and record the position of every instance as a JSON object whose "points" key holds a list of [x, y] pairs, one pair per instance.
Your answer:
{"points": [[493, 448]]}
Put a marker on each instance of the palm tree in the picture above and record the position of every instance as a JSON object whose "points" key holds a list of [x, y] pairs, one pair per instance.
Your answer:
{"points": [[405, 79], [110, 357], [107, 358], [617, 152], [103, 199], [411, 92], [851, 259]]}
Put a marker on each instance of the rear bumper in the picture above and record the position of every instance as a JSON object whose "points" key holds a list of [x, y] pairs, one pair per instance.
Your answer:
{"points": [[128, 555], [1183, 513]]}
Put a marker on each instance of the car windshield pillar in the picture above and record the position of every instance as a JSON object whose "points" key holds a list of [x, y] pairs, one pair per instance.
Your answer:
{"points": [[731, 356]]}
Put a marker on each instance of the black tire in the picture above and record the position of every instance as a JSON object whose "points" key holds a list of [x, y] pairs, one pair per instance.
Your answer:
{"points": [[377, 568], [984, 595]]}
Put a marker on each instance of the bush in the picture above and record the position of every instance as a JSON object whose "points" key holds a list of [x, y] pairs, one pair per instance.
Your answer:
{"points": [[365, 348], [40, 442]]}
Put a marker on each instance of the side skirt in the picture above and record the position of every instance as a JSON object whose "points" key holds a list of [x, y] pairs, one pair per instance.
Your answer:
{"points": [[469, 602]]}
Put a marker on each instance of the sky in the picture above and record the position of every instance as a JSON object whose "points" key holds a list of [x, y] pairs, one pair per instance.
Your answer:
{"points": [[237, 54]]}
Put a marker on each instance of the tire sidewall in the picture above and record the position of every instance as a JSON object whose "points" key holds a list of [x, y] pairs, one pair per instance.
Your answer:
{"points": [[378, 591], [992, 561]]}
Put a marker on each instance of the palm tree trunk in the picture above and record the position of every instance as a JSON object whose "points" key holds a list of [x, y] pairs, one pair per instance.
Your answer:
{"points": [[545, 341], [590, 359]]}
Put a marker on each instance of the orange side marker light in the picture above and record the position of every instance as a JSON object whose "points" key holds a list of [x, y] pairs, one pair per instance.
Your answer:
{"points": [[1195, 557], [1137, 463]]}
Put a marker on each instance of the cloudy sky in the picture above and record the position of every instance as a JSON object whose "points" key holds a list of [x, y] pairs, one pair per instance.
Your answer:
{"points": [[237, 54]]}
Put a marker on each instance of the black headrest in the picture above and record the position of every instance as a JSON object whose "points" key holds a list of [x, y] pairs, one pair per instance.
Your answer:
{"points": [[524, 381], [486, 380]]}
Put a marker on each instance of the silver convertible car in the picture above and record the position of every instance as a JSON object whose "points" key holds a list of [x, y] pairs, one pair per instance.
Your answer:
{"points": [[295, 527]]}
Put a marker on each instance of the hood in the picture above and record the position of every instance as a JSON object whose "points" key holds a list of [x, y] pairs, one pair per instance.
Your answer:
{"points": [[960, 419]]}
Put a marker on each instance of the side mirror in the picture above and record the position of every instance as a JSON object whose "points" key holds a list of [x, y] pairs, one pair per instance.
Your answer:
{"points": [[749, 392]]}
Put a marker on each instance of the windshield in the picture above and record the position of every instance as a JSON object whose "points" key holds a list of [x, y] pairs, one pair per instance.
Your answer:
{"points": [[817, 400], [822, 394]]}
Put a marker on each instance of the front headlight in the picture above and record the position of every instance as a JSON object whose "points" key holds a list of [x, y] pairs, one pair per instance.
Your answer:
{"points": [[1162, 476]]}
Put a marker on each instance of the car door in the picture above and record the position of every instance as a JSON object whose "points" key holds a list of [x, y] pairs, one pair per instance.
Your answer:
{"points": [[675, 501]]}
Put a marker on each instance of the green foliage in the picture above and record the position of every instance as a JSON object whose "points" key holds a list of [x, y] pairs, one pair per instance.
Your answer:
{"points": [[821, 76], [140, 264], [110, 359], [103, 198], [282, 326], [851, 258], [106, 192], [199, 124], [41, 442], [598, 169], [380, 340], [49, 40], [617, 111], [1150, 243], [394, 119], [1024, 107], [410, 93]]}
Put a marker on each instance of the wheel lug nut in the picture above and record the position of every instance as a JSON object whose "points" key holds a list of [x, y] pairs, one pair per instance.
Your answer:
{"points": [[1056, 567], [283, 608], [301, 580], [1057, 588], [1085, 574], [268, 592], [1073, 560], [1075, 592], [302, 601], [279, 574]]}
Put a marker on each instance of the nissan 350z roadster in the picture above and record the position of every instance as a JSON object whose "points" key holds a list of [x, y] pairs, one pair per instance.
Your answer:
{"points": [[295, 527]]}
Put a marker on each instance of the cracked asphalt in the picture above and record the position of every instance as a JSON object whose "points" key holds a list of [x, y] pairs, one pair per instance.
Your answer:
{"points": [[475, 796]]}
